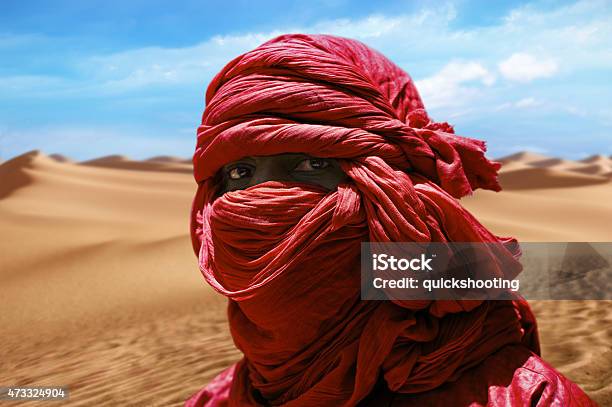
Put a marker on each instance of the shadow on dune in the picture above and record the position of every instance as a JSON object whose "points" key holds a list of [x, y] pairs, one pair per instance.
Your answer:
{"points": [[544, 178], [13, 174]]}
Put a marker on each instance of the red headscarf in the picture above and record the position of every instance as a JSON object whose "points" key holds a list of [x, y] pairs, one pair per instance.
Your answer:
{"points": [[287, 254]]}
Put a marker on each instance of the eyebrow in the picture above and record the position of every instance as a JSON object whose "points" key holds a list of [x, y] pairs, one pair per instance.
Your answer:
{"points": [[248, 160]]}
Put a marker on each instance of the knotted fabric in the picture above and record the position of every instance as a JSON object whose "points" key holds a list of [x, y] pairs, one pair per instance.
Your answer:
{"points": [[287, 254]]}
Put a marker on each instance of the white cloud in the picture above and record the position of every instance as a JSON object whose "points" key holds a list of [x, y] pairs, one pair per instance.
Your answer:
{"points": [[421, 42], [522, 67], [380, 27], [528, 102], [575, 111], [196, 65], [168, 67], [450, 85], [523, 103]]}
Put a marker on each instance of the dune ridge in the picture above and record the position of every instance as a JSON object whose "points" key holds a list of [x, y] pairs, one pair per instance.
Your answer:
{"points": [[160, 163], [527, 170]]}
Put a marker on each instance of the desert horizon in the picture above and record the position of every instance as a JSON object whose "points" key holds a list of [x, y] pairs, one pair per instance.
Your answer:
{"points": [[102, 292]]}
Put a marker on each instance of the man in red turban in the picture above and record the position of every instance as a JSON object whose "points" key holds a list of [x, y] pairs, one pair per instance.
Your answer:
{"points": [[310, 145]]}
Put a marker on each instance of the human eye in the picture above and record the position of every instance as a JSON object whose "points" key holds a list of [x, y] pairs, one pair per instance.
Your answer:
{"points": [[239, 171], [312, 164]]}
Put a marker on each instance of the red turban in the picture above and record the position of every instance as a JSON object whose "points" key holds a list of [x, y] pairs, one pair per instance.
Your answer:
{"points": [[287, 254]]}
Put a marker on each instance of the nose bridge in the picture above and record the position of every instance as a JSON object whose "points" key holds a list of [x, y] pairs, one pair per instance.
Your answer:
{"points": [[269, 169]]}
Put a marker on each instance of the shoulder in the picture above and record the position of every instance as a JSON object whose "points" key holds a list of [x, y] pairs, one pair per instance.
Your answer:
{"points": [[513, 376], [216, 393]]}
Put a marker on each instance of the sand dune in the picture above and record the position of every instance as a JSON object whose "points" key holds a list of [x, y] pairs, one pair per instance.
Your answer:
{"points": [[533, 171], [596, 164], [168, 159], [61, 158], [13, 174], [556, 163], [103, 294], [533, 178], [525, 157], [512, 166], [596, 158], [166, 164], [100, 279], [598, 169]]}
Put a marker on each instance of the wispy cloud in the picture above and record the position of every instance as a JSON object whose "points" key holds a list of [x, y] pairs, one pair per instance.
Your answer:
{"points": [[524, 103], [528, 102], [168, 67], [523, 67]]}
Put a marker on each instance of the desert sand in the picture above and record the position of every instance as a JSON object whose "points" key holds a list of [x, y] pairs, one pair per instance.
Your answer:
{"points": [[101, 293]]}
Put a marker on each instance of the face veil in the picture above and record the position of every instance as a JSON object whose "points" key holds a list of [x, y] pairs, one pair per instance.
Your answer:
{"points": [[287, 254]]}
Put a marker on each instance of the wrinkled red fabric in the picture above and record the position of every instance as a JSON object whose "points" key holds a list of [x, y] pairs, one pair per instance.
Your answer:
{"points": [[287, 254]]}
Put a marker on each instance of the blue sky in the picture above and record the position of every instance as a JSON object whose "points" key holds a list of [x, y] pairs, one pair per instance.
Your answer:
{"points": [[93, 78]]}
